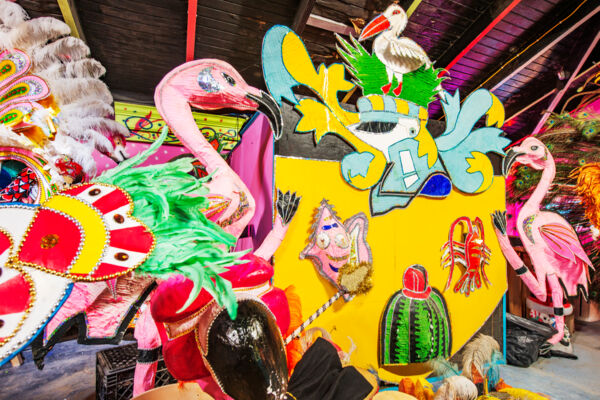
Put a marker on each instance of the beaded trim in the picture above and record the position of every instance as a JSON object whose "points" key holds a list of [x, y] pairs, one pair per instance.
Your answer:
{"points": [[14, 259], [25, 341], [129, 215], [89, 278], [32, 293]]}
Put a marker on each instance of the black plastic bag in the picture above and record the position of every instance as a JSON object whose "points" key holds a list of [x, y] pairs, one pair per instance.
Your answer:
{"points": [[524, 338]]}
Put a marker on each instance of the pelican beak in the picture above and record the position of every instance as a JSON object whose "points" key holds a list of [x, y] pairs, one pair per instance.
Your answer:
{"points": [[509, 160], [268, 106], [378, 25]]}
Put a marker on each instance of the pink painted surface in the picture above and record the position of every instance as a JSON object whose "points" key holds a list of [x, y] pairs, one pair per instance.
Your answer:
{"points": [[164, 154], [252, 160]]}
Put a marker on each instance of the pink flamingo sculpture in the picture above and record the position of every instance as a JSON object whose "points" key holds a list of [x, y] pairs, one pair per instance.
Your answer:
{"points": [[209, 85], [552, 244], [206, 84]]}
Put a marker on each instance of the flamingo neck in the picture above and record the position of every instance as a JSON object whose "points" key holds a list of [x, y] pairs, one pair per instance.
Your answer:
{"points": [[177, 112], [533, 204]]}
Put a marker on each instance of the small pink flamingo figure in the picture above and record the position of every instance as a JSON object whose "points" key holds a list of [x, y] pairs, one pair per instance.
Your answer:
{"points": [[552, 244]]}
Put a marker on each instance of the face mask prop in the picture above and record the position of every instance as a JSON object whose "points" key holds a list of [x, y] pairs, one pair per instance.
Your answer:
{"points": [[245, 356], [333, 244]]}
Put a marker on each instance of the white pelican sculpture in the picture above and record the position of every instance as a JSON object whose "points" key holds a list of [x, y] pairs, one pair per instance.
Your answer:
{"points": [[399, 54]]}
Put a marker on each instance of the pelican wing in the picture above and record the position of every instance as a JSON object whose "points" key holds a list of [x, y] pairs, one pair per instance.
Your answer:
{"points": [[563, 240], [408, 49]]}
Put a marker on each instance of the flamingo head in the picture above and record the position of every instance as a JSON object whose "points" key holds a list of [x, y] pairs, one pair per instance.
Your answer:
{"points": [[393, 18], [531, 152], [210, 84]]}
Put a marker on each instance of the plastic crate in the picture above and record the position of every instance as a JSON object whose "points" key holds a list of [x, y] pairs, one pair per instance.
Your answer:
{"points": [[115, 368]]}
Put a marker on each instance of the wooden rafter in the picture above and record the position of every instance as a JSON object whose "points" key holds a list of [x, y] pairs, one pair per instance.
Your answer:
{"points": [[581, 14], [69, 13], [477, 31], [549, 93], [562, 92], [302, 15], [330, 25]]}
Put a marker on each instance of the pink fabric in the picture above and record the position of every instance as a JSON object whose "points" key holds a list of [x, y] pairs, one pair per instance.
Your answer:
{"points": [[252, 160], [147, 339], [81, 297], [104, 313]]}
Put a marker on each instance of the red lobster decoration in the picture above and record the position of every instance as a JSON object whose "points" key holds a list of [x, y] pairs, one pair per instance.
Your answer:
{"points": [[471, 252]]}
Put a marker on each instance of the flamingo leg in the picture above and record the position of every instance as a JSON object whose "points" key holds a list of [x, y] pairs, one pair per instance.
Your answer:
{"points": [[148, 340], [536, 285], [273, 240], [557, 303]]}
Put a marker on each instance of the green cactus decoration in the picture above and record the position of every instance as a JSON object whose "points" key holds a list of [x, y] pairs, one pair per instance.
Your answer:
{"points": [[415, 326]]}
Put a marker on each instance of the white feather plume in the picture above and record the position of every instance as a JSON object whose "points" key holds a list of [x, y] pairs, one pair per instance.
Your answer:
{"points": [[85, 120], [86, 108], [456, 388], [34, 33], [62, 50], [84, 68], [11, 14], [477, 353], [9, 138], [68, 91], [107, 127]]}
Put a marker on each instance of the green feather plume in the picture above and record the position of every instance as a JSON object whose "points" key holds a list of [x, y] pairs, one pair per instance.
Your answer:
{"points": [[168, 200]]}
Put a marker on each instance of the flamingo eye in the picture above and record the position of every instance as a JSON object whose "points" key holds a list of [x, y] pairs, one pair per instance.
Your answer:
{"points": [[534, 148], [229, 79], [207, 82]]}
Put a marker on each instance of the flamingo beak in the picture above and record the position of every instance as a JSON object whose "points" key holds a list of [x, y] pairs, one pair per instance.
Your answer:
{"points": [[268, 106], [378, 25], [509, 160]]}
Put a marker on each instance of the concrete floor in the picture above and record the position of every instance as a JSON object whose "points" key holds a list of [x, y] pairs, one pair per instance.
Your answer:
{"points": [[70, 373], [561, 378]]}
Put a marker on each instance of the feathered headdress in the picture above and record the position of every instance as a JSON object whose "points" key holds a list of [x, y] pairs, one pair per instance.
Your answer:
{"points": [[60, 90]]}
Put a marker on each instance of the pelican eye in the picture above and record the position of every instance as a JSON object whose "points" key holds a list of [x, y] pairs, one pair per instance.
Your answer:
{"points": [[534, 148], [229, 79], [412, 132], [207, 82]]}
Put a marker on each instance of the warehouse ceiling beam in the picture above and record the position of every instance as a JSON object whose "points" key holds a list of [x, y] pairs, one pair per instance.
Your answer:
{"points": [[477, 31], [302, 15], [330, 25], [580, 15], [556, 100]]}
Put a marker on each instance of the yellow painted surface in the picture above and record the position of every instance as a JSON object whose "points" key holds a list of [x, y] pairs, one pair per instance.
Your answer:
{"points": [[398, 239], [93, 227]]}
